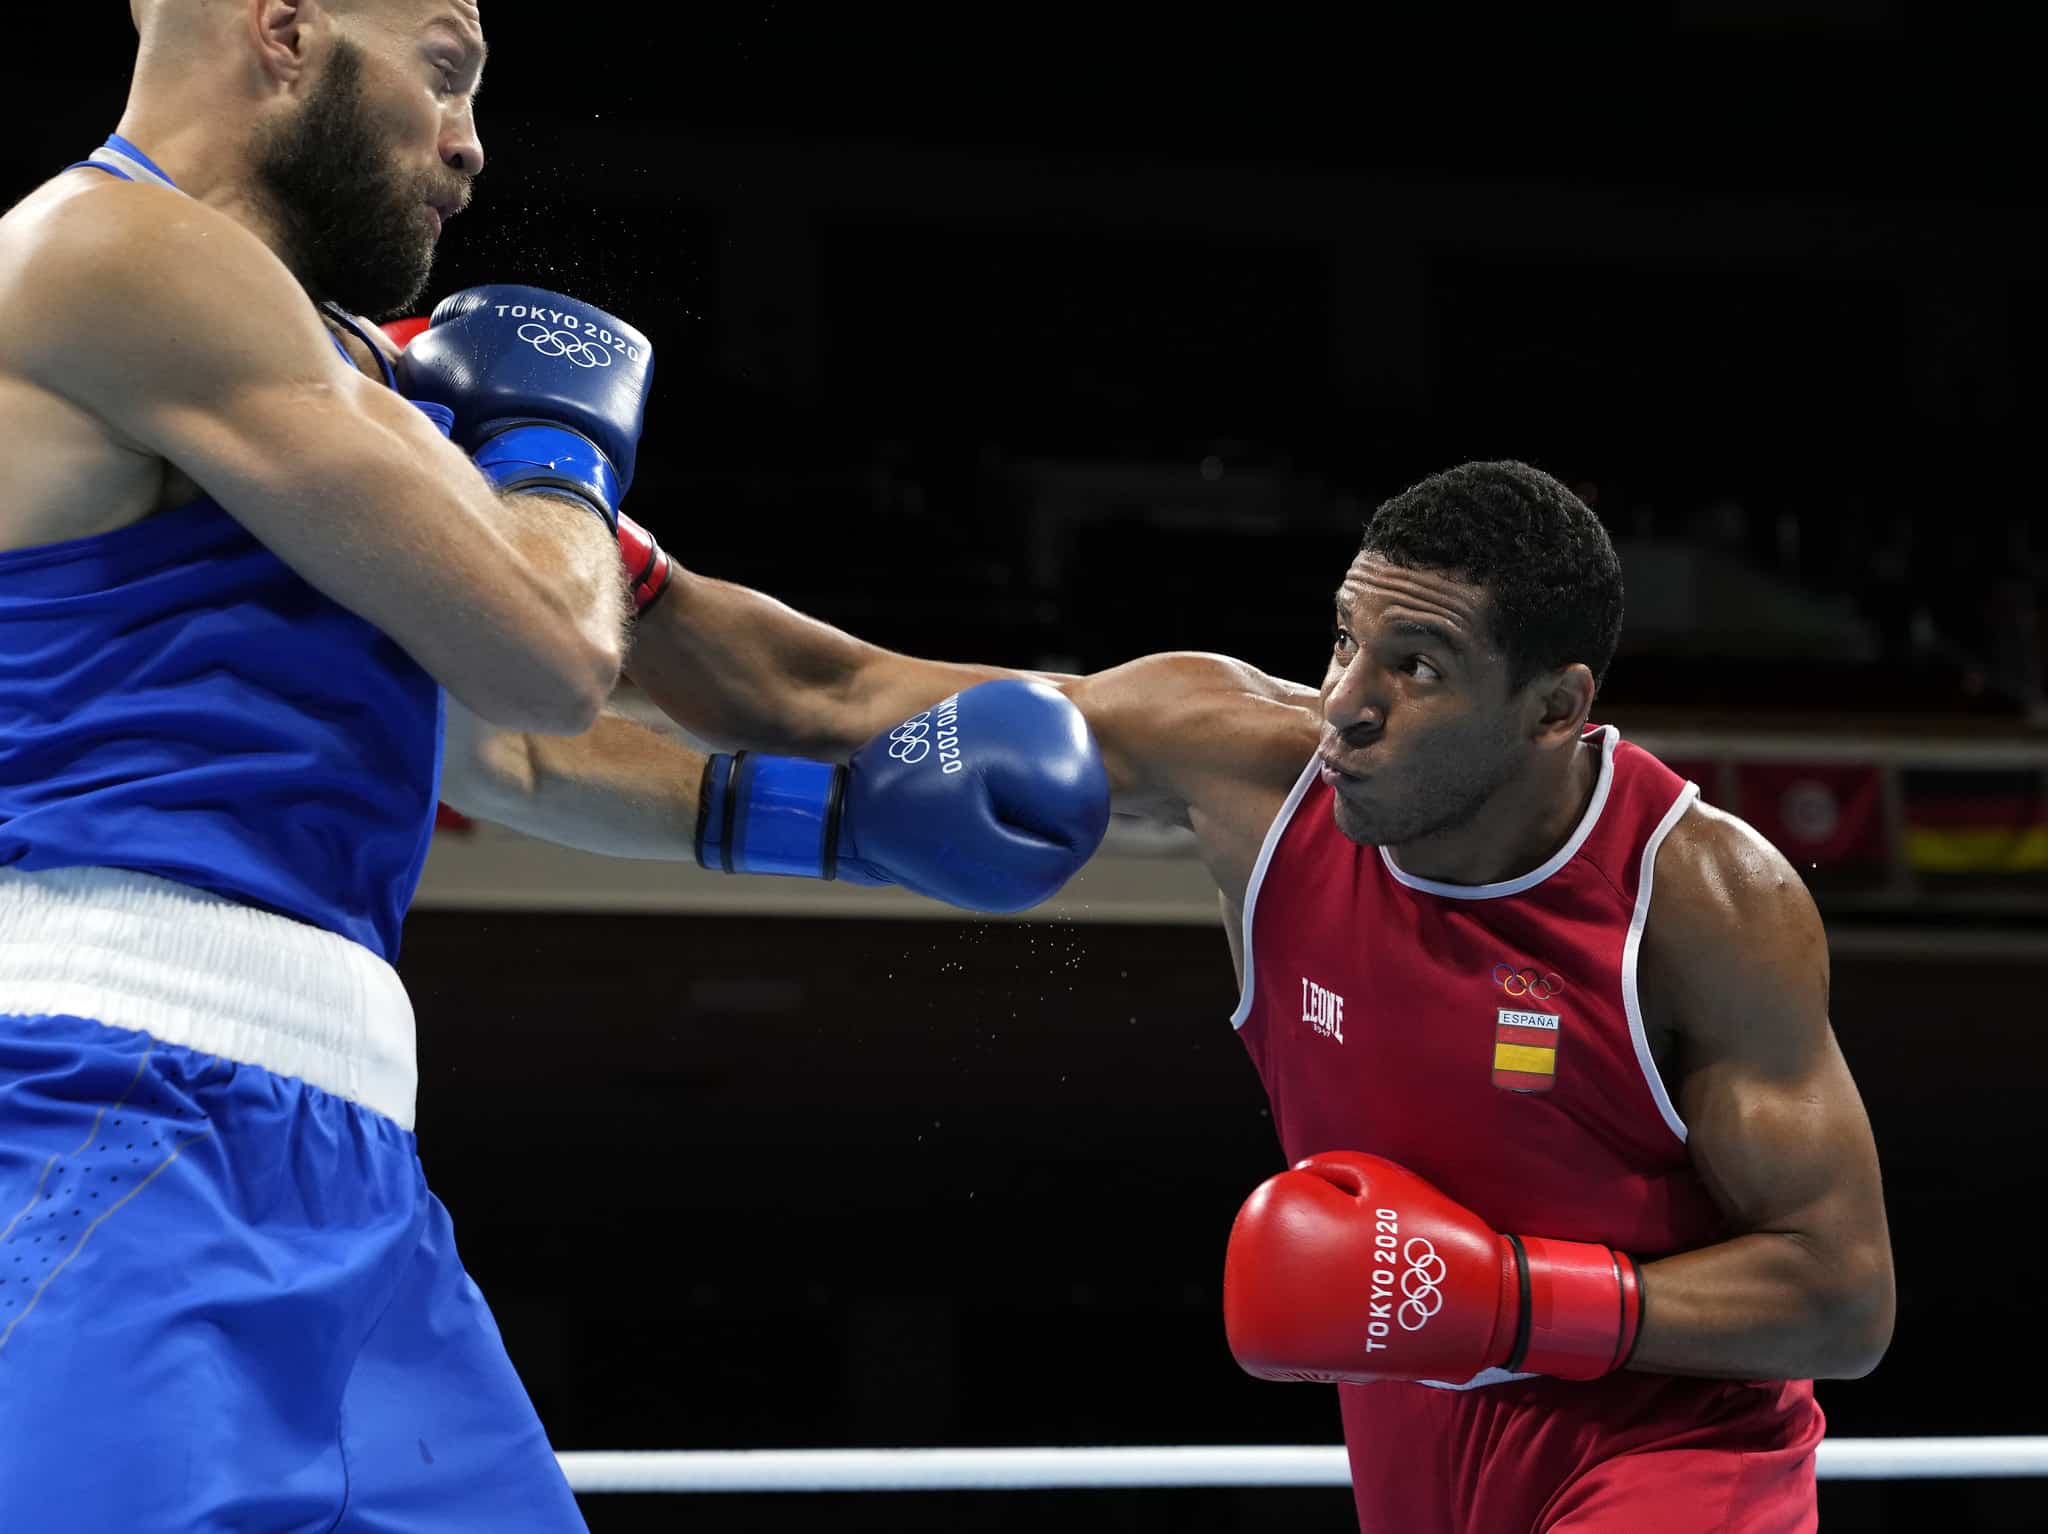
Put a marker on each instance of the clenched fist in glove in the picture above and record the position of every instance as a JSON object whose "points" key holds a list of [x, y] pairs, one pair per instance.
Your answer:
{"points": [[646, 566], [549, 394], [990, 801], [1348, 1268]]}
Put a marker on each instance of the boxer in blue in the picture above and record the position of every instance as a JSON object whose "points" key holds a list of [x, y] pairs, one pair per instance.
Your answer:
{"points": [[246, 577]]}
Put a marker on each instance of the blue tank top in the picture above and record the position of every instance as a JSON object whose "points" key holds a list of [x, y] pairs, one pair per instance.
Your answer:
{"points": [[175, 700]]}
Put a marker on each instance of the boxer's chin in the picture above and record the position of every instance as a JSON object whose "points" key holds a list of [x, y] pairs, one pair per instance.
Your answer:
{"points": [[371, 255], [387, 277], [381, 270], [1356, 825], [1384, 823]]}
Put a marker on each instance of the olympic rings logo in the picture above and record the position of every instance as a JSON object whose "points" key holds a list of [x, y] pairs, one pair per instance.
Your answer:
{"points": [[1420, 1280], [559, 343], [1526, 982], [907, 742]]}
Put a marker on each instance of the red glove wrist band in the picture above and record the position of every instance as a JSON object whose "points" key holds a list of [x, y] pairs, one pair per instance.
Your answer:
{"points": [[1581, 1308]]}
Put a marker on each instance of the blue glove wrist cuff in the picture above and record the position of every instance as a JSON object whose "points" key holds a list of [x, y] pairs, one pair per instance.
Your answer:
{"points": [[539, 455], [770, 815]]}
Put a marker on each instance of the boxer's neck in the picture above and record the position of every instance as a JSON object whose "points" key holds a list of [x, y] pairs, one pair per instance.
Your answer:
{"points": [[207, 165]]}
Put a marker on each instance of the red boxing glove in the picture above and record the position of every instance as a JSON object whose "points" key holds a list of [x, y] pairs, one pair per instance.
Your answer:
{"points": [[402, 331], [647, 567], [1350, 1269]]}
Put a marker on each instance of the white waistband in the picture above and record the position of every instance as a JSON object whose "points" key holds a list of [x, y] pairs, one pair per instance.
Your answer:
{"points": [[1478, 1381], [190, 968]]}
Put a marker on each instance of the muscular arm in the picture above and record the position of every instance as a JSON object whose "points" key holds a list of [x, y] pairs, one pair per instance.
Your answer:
{"points": [[176, 328], [1735, 964], [1192, 739], [740, 670], [619, 788]]}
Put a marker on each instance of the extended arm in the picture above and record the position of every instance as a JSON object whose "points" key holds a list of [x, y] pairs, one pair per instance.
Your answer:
{"points": [[1188, 738], [989, 800], [1199, 740]]}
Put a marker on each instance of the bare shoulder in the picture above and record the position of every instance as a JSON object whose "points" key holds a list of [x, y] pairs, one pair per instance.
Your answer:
{"points": [[1719, 878], [1182, 719], [1178, 680], [1734, 942], [115, 278], [1226, 674], [99, 283], [93, 235], [1203, 741]]}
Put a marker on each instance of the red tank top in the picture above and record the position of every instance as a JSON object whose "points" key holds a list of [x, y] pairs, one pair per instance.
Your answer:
{"points": [[1487, 1037]]}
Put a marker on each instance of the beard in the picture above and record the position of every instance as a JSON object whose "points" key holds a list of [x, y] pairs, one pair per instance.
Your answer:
{"points": [[353, 229]]}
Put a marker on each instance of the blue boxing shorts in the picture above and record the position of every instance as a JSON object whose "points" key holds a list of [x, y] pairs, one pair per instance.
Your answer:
{"points": [[227, 1299]]}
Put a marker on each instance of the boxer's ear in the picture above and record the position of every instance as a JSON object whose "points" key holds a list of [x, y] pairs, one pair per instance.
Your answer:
{"points": [[278, 29]]}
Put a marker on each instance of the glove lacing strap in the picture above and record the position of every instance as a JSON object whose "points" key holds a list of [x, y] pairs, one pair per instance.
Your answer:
{"points": [[716, 784], [1523, 1308], [834, 808], [1629, 1274]]}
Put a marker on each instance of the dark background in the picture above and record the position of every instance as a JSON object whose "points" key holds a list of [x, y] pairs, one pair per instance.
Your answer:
{"points": [[1055, 335]]}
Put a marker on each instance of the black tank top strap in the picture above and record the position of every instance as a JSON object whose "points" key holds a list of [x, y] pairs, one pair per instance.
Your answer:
{"points": [[347, 321]]}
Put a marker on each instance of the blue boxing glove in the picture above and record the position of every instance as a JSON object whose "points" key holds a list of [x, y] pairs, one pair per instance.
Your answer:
{"points": [[548, 394], [990, 800]]}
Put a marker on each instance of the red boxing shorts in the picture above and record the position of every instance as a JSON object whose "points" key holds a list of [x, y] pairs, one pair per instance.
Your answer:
{"points": [[1627, 1454]]}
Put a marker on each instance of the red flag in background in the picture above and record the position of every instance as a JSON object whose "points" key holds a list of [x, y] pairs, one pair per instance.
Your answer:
{"points": [[1822, 815]]}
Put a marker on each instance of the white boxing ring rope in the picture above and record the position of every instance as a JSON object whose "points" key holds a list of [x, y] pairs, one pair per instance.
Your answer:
{"points": [[777, 1470]]}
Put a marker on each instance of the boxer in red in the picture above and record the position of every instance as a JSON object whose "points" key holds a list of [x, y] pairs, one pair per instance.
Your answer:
{"points": [[1584, 1197]]}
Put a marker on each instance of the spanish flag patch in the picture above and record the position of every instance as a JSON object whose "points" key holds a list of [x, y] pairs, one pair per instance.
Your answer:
{"points": [[1525, 1050]]}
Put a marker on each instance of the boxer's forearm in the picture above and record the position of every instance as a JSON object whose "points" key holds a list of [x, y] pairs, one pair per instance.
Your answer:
{"points": [[559, 539], [1764, 1306], [739, 669], [618, 789]]}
